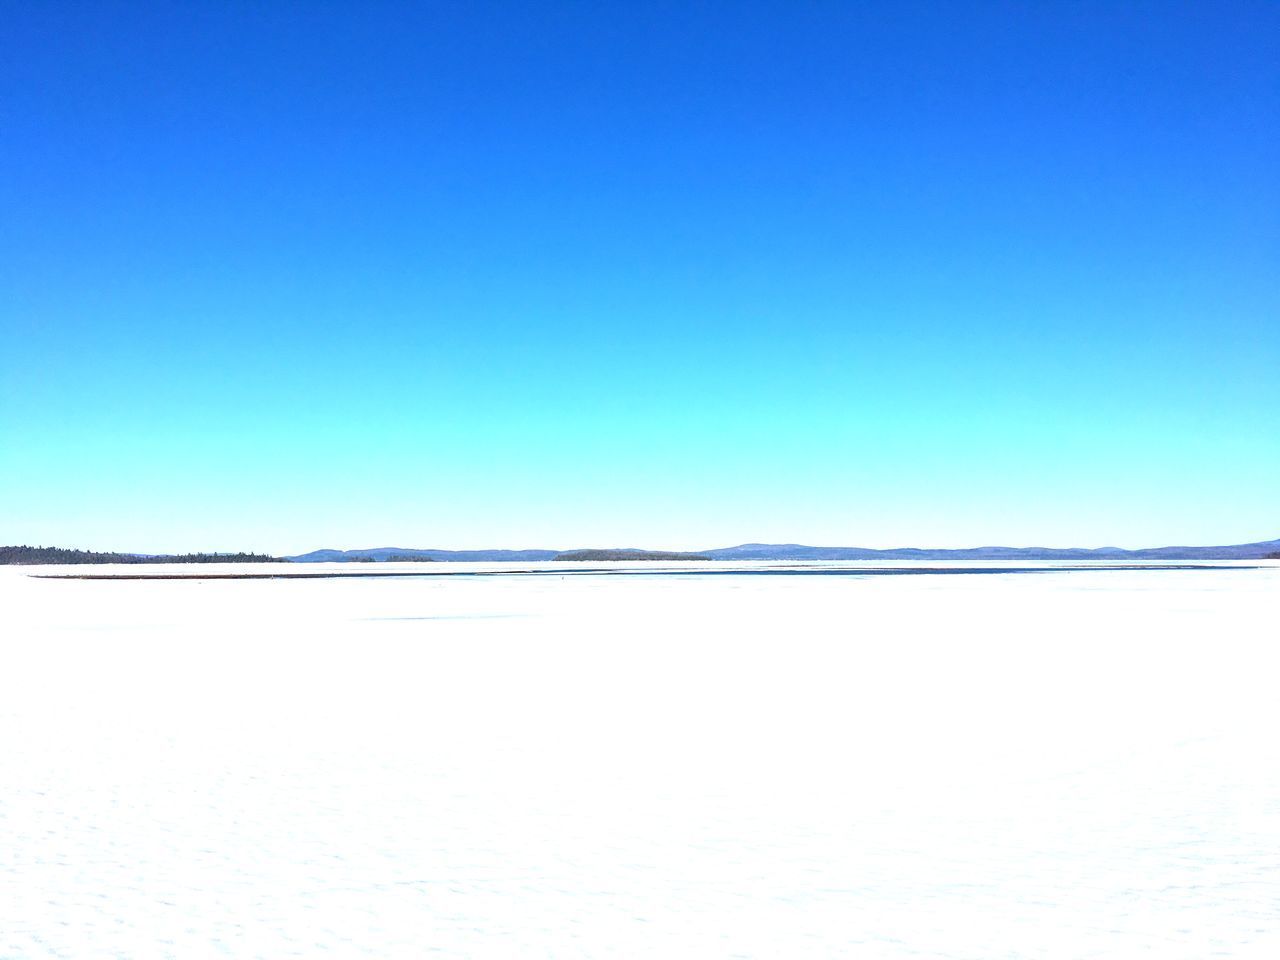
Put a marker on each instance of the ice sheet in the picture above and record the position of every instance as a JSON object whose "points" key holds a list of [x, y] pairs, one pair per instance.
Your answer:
{"points": [[1021, 765]]}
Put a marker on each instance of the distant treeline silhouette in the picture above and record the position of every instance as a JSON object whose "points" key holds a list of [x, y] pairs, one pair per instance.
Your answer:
{"points": [[25, 554], [628, 555]]}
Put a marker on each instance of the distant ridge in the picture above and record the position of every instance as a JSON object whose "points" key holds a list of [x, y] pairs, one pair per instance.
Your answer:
{"points": [[1260, 550], [629, 554], [382, 554], [798, 551]]}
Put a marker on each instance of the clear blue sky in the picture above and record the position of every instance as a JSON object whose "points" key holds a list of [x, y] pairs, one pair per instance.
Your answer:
{"points": [[280, 276]]}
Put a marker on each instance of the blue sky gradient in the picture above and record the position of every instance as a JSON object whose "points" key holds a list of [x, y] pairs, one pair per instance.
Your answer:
{"points": [[279, 276]]}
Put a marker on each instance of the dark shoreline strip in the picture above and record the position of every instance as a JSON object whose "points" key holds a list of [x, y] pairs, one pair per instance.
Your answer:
{"points": [[605, 571]]}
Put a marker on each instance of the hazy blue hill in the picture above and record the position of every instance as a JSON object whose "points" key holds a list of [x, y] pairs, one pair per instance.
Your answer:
{"points": [[799, 551], [794, 551], [629, 554], [746, 551], [383, 554], [1242, 551]]}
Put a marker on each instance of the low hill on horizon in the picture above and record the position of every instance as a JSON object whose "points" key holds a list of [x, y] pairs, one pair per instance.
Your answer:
{"points": [[384, 554], [797, 551], [629, 553], [1259, 550]]}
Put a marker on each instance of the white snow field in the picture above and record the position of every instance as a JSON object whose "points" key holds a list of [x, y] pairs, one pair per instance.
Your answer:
{"points": [[1061, 764]]}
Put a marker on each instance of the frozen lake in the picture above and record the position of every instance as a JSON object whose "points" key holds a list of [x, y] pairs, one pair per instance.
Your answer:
{"points": [[1061, 764]]}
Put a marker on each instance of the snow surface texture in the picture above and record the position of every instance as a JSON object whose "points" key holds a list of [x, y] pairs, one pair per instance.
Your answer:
{"points": [[1052, 765]]}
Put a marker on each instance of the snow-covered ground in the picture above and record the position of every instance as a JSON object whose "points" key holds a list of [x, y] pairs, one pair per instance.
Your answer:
{"points": [[1046, 765]]}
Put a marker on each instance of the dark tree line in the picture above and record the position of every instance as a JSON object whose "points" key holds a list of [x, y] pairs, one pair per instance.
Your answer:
{"points": [[25, 554], [628, 555]]}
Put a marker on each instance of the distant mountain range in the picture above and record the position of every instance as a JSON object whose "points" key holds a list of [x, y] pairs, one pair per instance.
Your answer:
{"points": [[1263, 549], [629, 554], [797, 551], [384, 553], [399, 553]]}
